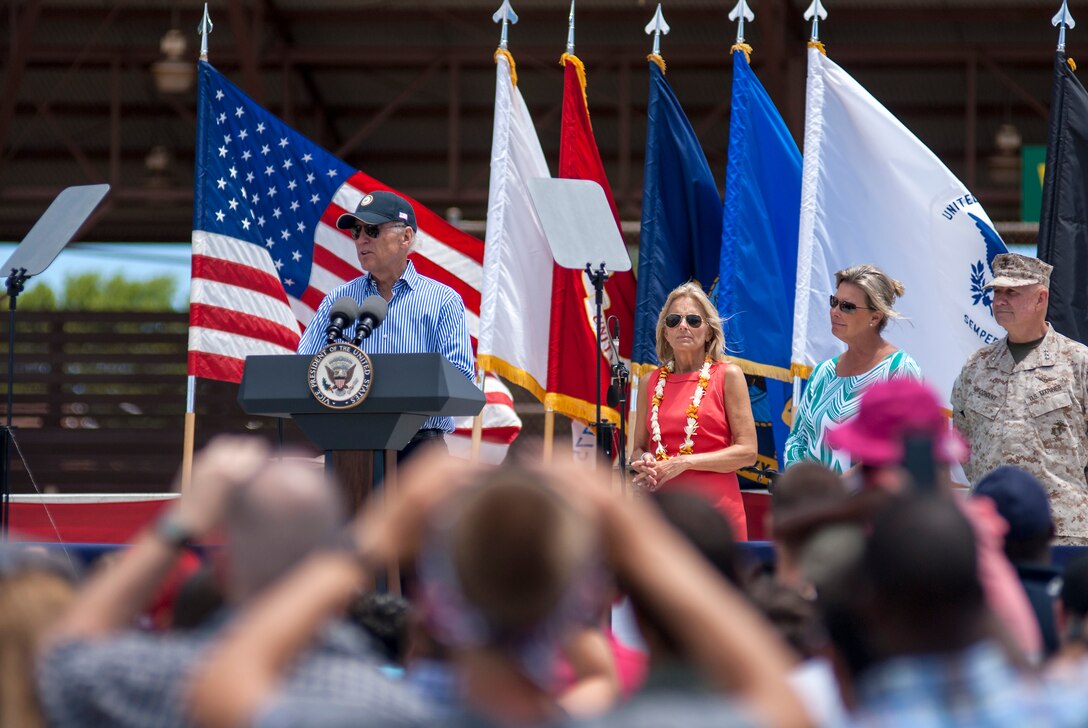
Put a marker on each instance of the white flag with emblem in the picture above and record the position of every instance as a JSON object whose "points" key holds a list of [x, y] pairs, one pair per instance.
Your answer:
{"points": [[871, 192]]}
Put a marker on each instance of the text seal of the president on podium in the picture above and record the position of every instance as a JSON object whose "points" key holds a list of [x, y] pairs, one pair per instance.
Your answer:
{"points": [[340, 376]]}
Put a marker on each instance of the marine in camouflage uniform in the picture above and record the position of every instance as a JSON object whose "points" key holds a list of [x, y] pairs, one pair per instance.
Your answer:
{"points": [[1031, 413]]}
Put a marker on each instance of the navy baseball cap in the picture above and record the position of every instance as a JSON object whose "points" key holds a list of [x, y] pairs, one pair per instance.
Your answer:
{"points": [[378, 207], [1020, 499]]}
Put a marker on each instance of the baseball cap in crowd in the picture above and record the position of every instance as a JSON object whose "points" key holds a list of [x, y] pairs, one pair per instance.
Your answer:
{"points": [[1020, 499], [891, 412], [1012, 270], [379, 207]]}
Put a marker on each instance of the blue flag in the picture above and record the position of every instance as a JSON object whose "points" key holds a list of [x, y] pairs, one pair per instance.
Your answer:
{"points": [[681, 214], [758, 272]]}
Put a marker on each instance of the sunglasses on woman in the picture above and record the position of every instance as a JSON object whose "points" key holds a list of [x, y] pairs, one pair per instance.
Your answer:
{"points": [[372, 231], [846, 306], [694, 320]]}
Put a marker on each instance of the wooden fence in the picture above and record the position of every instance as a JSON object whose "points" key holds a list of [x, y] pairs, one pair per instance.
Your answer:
{"points": [[99, 402]]}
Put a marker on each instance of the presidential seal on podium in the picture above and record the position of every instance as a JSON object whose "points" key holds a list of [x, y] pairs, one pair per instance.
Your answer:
{"points": [[340, 376]]}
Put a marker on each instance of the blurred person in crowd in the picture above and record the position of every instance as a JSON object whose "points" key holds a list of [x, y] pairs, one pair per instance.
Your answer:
{"points": [[932, 656], [694, 426], [904, 442], [798, 621], [385, 618], [706, 529], [1072, 658], [96, 670], [1023, 400], [35, 590], [806, 489], [507, 586], [860, 310], [1022, 502], [160, 611]]}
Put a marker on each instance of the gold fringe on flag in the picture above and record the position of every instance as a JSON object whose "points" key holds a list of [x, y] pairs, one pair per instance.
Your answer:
{"points": [[1072, 64], [581, 69], [818, 46], [658, 60], [743, 48], [510, 60]]}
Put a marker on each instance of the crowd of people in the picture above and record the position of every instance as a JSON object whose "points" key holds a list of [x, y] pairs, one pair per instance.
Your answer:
{"points": [[473, 595], [898, 603]]}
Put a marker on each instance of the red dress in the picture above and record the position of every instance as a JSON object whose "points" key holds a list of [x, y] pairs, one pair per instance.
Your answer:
{"points": [[713, 433]]}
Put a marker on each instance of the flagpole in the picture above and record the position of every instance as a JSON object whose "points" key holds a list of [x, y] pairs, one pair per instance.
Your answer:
{"points": [[549, 433], [816, 13], [506, 16], [189, 437], [478, 421], [1063, 20]]}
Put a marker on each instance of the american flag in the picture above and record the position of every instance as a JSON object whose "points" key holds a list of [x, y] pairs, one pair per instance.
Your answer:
{"points": [[265, 245]]}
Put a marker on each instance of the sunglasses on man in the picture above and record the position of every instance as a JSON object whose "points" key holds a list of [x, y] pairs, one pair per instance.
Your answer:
{"points": [[846, 306], [694, 320], [372, 231]]}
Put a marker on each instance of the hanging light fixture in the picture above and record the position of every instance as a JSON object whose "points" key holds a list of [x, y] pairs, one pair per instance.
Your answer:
{"points": [[173, 74]]}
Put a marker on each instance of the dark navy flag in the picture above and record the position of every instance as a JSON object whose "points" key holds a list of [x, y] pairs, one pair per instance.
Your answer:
{"points": [[681, 214], [1063, 220]]}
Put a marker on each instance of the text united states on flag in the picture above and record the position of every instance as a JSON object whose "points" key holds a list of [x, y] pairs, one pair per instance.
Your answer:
{"points": [[265, 245]]}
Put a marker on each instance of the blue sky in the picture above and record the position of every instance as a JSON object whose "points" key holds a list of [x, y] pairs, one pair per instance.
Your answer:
{"points": [[134, 261]]}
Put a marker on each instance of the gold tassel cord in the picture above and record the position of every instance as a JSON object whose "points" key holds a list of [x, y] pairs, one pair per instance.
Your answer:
{"points": [[1072, 64], [818, 46]]}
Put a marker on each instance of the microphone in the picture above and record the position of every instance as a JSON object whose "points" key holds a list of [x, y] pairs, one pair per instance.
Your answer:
{"points": [[344, 311], [371, 315], [614, 333], [615, 388]]}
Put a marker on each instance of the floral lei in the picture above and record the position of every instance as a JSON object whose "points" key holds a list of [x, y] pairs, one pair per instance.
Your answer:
{"points": [[692, 412]]}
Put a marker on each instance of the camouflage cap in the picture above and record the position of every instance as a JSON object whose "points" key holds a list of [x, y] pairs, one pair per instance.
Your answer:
{"points": [[1012, 270]]}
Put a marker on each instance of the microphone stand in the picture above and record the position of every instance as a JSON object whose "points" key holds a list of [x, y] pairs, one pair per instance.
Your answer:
{"points": [[15, 283], [604, 429], [620, 377]]}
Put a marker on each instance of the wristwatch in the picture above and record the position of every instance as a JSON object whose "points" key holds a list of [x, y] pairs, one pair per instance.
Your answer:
{"points": [[173, 533]]}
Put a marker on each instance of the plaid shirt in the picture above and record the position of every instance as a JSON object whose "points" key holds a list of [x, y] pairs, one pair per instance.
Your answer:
{"points": [[138, 680], [976, 687]]}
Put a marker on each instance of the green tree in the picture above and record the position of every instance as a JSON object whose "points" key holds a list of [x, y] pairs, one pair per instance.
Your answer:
{"points": [[91, 292]]}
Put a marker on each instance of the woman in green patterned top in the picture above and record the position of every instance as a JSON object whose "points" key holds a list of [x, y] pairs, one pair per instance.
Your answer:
{"points": [[860, 310]]}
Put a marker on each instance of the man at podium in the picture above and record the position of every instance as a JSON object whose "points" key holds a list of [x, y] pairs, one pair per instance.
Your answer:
{"points": [[423, 315]]}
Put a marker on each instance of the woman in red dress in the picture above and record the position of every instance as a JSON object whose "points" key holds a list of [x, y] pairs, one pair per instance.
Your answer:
{"points": [[695, 419]]}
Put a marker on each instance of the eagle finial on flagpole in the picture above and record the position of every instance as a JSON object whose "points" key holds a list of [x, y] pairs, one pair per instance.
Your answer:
{"points": [[658, 27], [505, 15], [205, 28], [817, 13], [1063, 20], [570, 30], [741, 12]]}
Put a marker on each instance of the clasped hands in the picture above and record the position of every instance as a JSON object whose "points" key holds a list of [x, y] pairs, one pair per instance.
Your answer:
{"points": [[651, 474]]}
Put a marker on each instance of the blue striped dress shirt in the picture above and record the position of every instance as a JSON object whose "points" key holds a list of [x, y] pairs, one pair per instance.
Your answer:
{"points": [[424, 316]]}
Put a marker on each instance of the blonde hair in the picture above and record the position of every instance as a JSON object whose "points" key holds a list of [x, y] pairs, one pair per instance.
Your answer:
{"points": [[30, 603], [880, 289], [715, 340]]}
